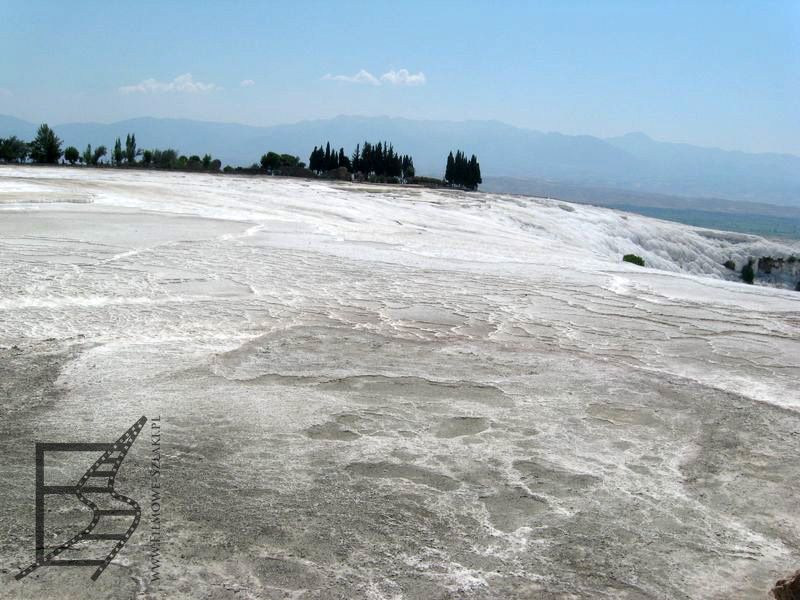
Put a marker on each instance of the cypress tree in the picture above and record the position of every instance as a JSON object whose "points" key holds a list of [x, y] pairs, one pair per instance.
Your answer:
{"points": [[344, 161], [117, 154], [130, 148], [367, 156], [312, 159], [395, 163], [474, 173], [379, 159], [463, 172], [449, 169]]}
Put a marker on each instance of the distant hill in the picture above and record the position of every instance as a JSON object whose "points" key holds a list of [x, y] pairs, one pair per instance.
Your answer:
{"points": [[632, 162], [12, 126]]}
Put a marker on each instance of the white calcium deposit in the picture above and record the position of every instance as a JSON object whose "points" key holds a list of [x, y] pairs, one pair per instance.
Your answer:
{"points": [[394, 392]]}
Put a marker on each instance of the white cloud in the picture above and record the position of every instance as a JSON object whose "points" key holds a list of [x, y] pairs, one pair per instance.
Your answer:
{"points": [[361, 77], [4, 93], [247, 83], [403, 77], [182, 83]]}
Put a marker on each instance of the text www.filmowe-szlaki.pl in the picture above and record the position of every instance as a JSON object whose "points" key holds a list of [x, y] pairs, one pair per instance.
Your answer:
{"points": [[155, 500]]}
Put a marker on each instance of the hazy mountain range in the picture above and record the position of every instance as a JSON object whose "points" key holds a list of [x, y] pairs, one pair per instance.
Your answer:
{"points": [[633, 162]]}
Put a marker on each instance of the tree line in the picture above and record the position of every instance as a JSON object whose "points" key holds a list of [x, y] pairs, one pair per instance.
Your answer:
{"points": [[372, 161], [45, 148]]}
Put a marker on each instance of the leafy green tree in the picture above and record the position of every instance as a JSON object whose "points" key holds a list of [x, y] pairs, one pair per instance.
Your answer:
{"points": [[46, 146], [13, 149], [147, 157], [99, 153], [171, 158], [71, 155], [207, 161], [87, 155], [165, 159], [287, 160], [271, 161]]}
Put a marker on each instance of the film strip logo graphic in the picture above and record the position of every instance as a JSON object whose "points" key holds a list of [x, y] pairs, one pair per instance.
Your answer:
{"points": [[95, 488]]}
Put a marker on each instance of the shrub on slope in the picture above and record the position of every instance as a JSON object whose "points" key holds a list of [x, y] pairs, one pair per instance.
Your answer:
{"points": [[633, 258]]}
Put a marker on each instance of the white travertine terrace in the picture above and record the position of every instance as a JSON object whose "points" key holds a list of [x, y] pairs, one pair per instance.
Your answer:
{"points": [[391, 392]]}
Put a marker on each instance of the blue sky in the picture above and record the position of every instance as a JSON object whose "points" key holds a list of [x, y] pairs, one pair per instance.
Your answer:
{"points": [[712, 73]]}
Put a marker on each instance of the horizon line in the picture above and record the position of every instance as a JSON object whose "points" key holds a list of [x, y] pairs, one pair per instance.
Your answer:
{"points": [[452, 121]]}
